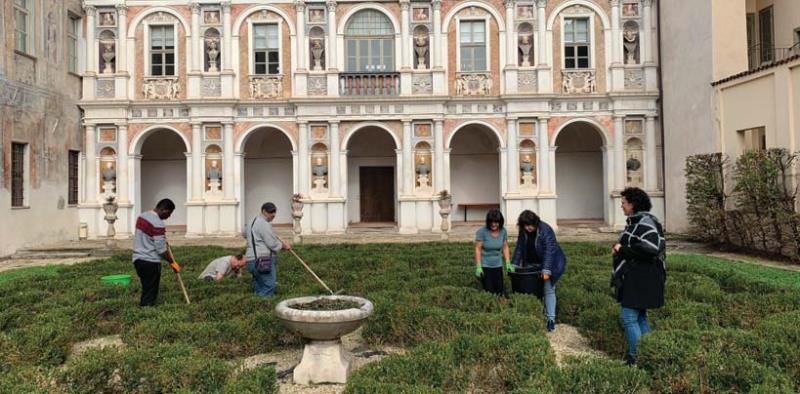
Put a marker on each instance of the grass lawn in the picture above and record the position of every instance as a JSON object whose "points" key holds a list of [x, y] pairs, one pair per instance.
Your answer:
{"points": [[726, 327]]}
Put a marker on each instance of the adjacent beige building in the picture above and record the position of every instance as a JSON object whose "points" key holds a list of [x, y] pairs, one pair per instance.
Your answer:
{"points": [[731, 75], [40, 131]]}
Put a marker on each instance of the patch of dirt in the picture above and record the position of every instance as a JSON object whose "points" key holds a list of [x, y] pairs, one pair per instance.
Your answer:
{"points": [[567, 341], [97, 343]]}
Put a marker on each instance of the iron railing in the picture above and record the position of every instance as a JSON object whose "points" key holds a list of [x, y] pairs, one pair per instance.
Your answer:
{"points": [[759, 55]]}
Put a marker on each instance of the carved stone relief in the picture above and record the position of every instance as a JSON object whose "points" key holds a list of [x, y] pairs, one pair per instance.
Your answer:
{"points": [[634, 79], [266, 87], [473, 84], [527, 82], [422, 84], [578, 82], [105, 88], [161, 88], [317, 86], [211, 87]]}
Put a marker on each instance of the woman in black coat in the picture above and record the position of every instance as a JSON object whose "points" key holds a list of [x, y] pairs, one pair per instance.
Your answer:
{"points": [[639, 267]]}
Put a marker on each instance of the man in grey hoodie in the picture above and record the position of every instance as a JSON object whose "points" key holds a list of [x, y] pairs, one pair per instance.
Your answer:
{"points": [[263, 242]]}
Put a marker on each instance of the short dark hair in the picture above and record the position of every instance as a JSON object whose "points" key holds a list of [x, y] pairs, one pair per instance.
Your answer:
{"points": [[527, 218], [638, 198], [239, 256], [269, 207], [166, 205], [494, 215]]}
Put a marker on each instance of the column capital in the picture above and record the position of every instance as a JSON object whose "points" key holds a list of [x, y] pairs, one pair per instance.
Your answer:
{"points": [[334, 122], [300, 5], [227, 123], [226, 6], [332, 4], [407, 121], [509, 3], [89, 9], [618, 116], [614, 3], [541, 3], [650, 117], [437, 4], [405, 5], [647, 3], [512, 118], [122, 9], [195, 7], [196, 123]]}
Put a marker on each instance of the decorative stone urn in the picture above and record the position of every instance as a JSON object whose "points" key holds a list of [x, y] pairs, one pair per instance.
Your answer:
{"points": [[445, 204], [110, 207], [297, 215], [108, 57], [325, 360], [213, 53]]}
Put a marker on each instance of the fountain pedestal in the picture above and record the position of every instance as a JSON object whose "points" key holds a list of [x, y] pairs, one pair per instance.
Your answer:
{"points": [[323, 362]]}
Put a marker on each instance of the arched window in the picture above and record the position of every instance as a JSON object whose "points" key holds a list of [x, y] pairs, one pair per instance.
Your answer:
{"points": [[369, 42]]}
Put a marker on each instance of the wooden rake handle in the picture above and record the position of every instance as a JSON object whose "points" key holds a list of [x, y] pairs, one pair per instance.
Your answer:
{"points": [[312, 272], [180, 281]]}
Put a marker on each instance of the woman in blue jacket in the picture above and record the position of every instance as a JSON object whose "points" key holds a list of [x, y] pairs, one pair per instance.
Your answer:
{"points": [[537, 246]]}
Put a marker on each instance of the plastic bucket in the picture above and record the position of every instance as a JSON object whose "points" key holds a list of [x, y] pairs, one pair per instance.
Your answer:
{"points": [[527, 280], [123, 280]]}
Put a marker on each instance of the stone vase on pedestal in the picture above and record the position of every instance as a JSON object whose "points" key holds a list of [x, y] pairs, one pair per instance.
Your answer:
{"points": [[297, 215], [445, 205], [110, 208]]}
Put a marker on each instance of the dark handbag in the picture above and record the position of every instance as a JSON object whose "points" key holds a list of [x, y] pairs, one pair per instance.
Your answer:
{"points": [[263, 264]]}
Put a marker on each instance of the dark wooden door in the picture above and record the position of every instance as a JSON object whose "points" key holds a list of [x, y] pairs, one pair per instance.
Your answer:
{"points": [[376, 186]]}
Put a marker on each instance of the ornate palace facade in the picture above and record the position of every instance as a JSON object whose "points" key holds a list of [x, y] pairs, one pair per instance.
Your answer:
{"points": [[367, 110]]}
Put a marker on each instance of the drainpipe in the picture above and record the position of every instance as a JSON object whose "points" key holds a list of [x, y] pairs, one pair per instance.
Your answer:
{"points": [[661, 111]]}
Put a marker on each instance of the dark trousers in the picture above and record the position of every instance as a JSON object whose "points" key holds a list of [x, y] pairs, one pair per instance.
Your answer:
{"points": [[150, 276], [492, 280]]}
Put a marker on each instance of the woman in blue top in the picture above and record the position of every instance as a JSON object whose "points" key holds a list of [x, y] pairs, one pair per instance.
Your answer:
{"points": [[537, 246], [490, 241]]}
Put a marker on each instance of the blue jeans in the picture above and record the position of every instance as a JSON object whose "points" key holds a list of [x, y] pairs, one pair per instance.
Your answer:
{"points": [[263, 284], [634, 321], [550, 300]]}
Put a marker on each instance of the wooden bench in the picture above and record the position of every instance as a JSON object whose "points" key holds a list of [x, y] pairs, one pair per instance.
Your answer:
{"points": [[477, 206]]}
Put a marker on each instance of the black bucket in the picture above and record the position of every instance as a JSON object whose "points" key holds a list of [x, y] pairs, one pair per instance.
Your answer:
{"points": [[527, 280]]}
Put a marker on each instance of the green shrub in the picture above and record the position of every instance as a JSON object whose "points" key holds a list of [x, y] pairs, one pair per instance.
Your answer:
{"points": [[589, 375], [261, 379]]}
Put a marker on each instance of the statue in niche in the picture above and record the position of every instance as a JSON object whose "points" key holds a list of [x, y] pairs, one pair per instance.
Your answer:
{"points": [[634, 167], [525, 45], [109, 178], [421, 50], [108, 57], [526, 167], [423, 172], [631, 43], [214, 177], [320, 173], [213, 52], [317, 50]]}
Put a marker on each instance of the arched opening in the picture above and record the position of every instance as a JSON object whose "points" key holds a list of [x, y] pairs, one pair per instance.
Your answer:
{"points": [[579, 173], [474, 172], [163, 170], [268, 174], [371, 174]]}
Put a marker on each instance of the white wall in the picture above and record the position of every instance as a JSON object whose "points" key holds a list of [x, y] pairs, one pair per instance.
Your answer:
{"points": [[268, 174], [370, 147], [268, 180], [579, 173], [165, 179], [474, 171]]}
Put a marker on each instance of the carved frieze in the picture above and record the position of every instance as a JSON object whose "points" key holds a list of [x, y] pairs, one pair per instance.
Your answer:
{"points": [[578, 82], [263, 87], [161, 88], [527, 82], [473, 84], [422, 84], [634, 79]]}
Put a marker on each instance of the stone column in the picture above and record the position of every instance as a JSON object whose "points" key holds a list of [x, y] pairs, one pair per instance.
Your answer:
{"points": [[122, 164], [408, 159], [543, 156], [436, 45], [511, 47], [332, 37], [197, 42], [227, 37], [512, 156], [122, 39], [333, 174], [541, 31], [300, 6], [303, 158], [616, 36], [438, 155], [620, 172], [650, 167], [198, 181], [405, 34], [91, 42], [91, 164], [227, 161], [647, 33]]}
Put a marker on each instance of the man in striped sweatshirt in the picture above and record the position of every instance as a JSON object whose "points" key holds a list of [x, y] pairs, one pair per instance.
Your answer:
{"points": [[149, 247]]}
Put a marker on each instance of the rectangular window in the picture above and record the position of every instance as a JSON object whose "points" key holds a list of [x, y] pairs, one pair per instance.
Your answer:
{"points": [[162, 51], [370, 55], [576, 43], [266, 49], [23, 25], [751, 41], [754, 139], [472, 40], [73, 26], [72, 193], [18, 174], [766, 34]]}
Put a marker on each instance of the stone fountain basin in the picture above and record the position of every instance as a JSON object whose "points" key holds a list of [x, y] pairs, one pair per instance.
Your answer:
{"points": [[323, 325]]}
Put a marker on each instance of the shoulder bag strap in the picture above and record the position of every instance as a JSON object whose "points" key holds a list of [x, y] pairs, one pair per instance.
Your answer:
{"points": [[253, 238]]}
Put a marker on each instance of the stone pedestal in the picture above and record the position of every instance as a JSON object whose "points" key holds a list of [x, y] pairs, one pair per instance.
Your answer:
{"points": [[527, 181], [424, 184], [319, 184], [108, 187], [214, 188], [323, 362]]}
